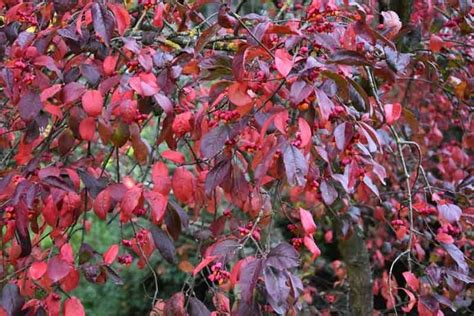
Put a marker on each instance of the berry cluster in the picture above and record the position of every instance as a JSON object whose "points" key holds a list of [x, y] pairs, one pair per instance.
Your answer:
{"points": [[245, 231], [142, 237], [312, 185], [298, 141], [148, 4], [427, 210], [397, 223], [9, 213], [139, 211], [226, 116], [297, 243], [127, 243], [218, 274], [321, 24], [249, 147], [449, 229], [125, 259]]}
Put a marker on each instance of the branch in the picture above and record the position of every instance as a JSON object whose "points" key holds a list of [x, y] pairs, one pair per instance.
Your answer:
{"points": [[406, 174]]}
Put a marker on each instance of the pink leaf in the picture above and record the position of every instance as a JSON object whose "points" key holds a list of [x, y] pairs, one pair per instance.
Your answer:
{"points": [[307, 221], [392, 112], [283, 62], [411, 280], [311, 246], [57, 269], [73, 307]]}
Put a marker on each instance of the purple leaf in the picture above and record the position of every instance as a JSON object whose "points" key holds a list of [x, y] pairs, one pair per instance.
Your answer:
{"points": [[213, 141], [368, 182], [163, 243], [57, 269], [457, 256], [296, 166], [277, 289], [460, 276], [449, 212], [164, 102], [103, 21], [248, 278], [328, 192], [348, 57], [300, 90], [205, 38], [72, 92], [21, 226], [284, 256], [11, 300], [30, 105], [197, 308], [217, 175], [113, 275], [225, 249], [343, 134], [176, 219], [325, 104]]}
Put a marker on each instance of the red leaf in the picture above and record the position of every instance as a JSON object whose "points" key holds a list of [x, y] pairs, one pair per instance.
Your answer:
{"points": [[102, 204], [183, 185], [92, 102], [57, 269], [71, 281], [160, 178], [311, 246], [158, 203], [109, 64], [130, 201], [111, 253], [183, 123], [50, 212], [144, 84], [392, 112], [283, 62], [174, 156], [203, 264], [307, 221], [121, 16], [436, 43], [304, 132], [238, 95], [73, 307], [50, 92], [38, 269], [87, 128]]}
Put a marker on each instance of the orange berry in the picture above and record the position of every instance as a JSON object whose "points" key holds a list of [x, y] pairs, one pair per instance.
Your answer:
{"points": [[303, 106]]}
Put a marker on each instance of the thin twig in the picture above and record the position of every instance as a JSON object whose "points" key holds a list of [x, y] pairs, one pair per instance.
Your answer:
{"points": [[406, 174]]}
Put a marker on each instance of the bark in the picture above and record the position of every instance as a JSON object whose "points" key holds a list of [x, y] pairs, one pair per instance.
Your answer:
{"points": [[356, 257]]}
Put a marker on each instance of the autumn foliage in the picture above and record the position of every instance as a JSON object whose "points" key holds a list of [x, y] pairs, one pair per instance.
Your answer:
{"points": [[304, 158]]}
